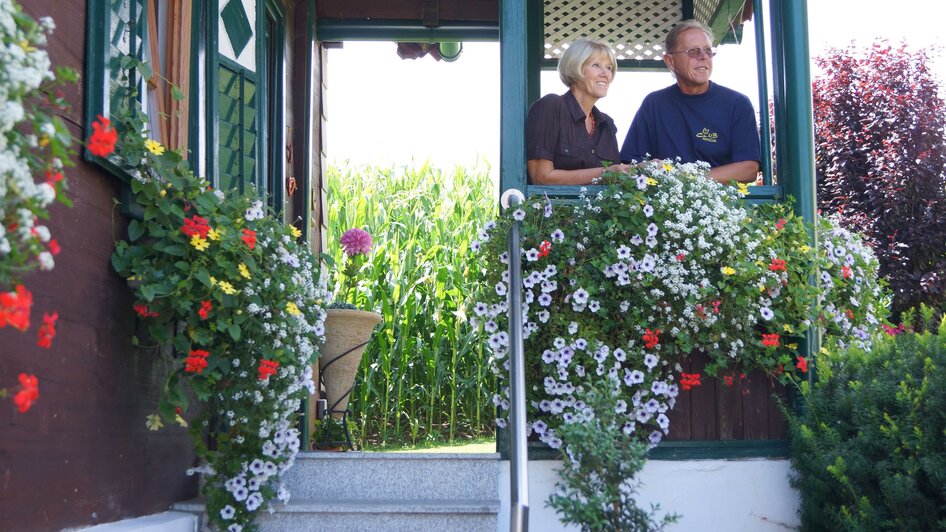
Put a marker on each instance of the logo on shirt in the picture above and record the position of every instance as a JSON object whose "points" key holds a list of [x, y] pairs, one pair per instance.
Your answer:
{"points": [[706, 135]]}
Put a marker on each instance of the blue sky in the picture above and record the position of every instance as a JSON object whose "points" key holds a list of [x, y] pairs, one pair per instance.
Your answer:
{"points": [[385, 110]]}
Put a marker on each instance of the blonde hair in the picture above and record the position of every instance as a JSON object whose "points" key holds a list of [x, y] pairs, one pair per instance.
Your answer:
{"points": [[574, 58]]}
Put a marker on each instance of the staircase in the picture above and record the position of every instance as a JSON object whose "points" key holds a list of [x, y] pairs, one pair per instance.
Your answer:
{"points": [[355, 491]]}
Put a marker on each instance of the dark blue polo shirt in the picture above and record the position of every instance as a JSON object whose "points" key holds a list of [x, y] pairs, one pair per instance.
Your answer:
{"points": [[718, 127]]}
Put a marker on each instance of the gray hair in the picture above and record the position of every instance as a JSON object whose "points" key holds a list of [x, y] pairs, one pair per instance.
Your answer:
{"points": [[569, 66], [690, 24]]}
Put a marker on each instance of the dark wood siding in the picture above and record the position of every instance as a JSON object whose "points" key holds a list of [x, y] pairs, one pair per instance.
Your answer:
{"points": [[82, 455]]}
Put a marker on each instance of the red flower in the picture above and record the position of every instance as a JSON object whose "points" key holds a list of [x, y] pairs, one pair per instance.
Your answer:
{"points": [[689, 380], [144, 311], [770, 340], [178, 410], [15, 308], [54, 247], [544, 248], [802, 365], [28, 393], [197, 361], [103, 139], [53, 177], [47, 331], [778, 265], [700, 312], [267, 368], [195, 226], [681, 256], [727, 379], [249, 237], [780, 223], [850, 314], [716, 305], [205, 308], [846, 272], [651, 338], [892, 331]]}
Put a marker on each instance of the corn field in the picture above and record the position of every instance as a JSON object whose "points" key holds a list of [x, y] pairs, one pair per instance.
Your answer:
{"points": [[424, 377]]}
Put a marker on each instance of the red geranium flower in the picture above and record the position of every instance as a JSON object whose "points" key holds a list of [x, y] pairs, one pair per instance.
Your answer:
{"points": [[15, 308], [267, 368], [197, 361], [770, 340], [205, 308], [144, 311], [651, 338], [778, 265], [249, 237], [103, 139], [681, 256], [780, 223], [195, 226], [47, 331], [802, 365], [846, 272], [53, 177], [544, 248], [29, 392], [54, 247], [689, 380]]}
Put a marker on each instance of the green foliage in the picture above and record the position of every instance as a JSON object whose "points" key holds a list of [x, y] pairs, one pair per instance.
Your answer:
{"points": [[424, 376], [869, 449], [598, 484]]}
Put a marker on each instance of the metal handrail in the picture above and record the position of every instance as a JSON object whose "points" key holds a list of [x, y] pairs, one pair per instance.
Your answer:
{"points": [[518, 452]]}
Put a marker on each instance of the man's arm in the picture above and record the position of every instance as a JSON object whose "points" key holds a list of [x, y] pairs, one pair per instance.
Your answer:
{"points": [[741, 171]]}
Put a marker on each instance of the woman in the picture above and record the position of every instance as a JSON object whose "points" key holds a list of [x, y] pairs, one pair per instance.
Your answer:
{"points": [[568, 140]]}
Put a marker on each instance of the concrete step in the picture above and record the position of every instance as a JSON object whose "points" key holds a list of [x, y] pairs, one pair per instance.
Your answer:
{"points": [[306, 515], [357, 491], [402, 476]]}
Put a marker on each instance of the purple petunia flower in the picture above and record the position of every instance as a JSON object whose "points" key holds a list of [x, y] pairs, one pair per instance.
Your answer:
{"points": [[356, 241]]}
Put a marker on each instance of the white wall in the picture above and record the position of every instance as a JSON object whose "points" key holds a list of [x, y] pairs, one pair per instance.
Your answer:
{"points": [[710, 495]]}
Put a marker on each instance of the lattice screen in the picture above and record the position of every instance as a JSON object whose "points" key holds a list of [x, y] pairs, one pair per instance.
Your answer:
{"points": [[635, 28]]}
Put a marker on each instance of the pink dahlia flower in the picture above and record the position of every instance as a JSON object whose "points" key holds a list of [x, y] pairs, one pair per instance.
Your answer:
{"points": [[356, 242]]}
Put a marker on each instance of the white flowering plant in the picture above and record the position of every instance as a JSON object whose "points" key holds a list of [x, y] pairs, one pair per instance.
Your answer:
{"points": [[233, 301], [35, 145], [626, 283]]}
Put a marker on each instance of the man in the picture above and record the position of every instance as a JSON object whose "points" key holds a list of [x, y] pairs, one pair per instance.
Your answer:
{"points": [[696, 119]]}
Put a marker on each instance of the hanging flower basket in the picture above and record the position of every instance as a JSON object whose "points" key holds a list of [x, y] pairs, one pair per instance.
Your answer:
{"points": [[347, 333]]}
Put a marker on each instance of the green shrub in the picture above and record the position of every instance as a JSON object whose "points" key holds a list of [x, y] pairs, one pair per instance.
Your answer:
{"points": [[869, 449], [423, 376]]}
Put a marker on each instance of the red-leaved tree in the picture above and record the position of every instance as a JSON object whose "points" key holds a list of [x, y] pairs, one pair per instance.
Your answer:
{"points": [[880, 149]]}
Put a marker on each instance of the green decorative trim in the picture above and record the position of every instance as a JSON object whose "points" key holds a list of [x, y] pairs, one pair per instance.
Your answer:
{"points": [[271, 52], [237, 25], [514, 104], [727, 32], [405, 30], [113, 29]]}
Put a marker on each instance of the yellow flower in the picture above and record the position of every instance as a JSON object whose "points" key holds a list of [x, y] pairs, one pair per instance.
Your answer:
{"points": [[296, 233], [788, 328], [792, 346], [651, 181], [26, 46], [668, 167], [199, 243], [180, 421], [154, 147], [728, 271], [244, 271], [213, 234], [153, 422], [291, 308], [213, 281], [163, 193], [227, 288], [804, 249], [761, 288], [743, 188], [43, 141]]}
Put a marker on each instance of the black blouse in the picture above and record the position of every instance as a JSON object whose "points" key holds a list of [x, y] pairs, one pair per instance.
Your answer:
{"points": [[555, 131]]}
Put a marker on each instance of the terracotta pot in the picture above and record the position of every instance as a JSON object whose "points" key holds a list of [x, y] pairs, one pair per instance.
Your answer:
{"points": [[347, 333]]}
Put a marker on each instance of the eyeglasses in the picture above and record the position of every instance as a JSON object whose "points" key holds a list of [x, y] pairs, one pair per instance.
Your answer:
{"points": [[695, 52]]}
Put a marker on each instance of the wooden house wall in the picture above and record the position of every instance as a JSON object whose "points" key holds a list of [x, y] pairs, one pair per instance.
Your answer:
{"points": [[83, 455]]}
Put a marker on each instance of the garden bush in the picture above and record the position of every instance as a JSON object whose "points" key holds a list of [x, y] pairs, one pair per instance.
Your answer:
{"points": [[869, 449], [424, 376], [880, 150]]}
